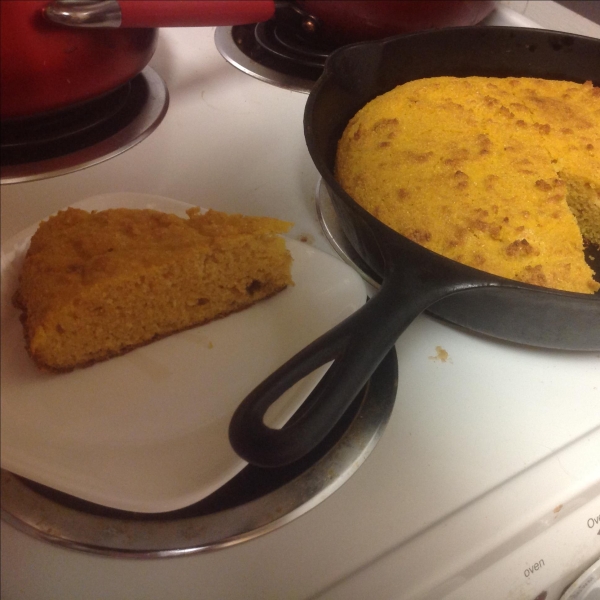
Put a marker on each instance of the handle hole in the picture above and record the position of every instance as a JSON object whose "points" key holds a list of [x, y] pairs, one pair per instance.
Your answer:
{"points": [[291, 401]]}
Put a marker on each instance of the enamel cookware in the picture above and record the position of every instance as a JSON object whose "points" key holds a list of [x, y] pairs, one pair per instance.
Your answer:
{"points": [[57, 54]]}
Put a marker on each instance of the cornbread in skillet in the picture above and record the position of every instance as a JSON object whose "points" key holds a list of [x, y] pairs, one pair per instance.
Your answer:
{"points": [[502, 174], [96, 285]]}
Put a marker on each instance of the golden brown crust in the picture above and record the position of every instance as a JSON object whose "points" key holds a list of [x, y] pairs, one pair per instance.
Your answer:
{"points": [[481, 169]]}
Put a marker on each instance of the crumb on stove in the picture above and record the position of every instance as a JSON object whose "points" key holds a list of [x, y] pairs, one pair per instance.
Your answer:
{"points": [[306, 238], [440, 354]]}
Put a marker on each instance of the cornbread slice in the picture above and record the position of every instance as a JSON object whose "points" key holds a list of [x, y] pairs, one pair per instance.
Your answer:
{"points": [[499, 174], [96, 285]]}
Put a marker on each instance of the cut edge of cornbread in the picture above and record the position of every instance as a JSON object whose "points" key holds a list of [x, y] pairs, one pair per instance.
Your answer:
{"points": [[583, 198]]}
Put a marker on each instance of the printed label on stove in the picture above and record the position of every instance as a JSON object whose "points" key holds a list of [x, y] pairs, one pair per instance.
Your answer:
{"points": [[540, 564], [594, 522]]}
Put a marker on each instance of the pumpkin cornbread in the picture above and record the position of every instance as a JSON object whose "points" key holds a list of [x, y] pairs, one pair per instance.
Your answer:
{"points": [[96, 285], [502, 174]]}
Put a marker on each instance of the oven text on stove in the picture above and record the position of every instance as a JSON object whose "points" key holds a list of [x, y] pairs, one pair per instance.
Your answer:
{"points": [[536, 567], [593, 521]]}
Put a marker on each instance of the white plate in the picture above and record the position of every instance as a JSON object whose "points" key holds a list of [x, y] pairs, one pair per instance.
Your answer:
{"points": [[147, 431]]}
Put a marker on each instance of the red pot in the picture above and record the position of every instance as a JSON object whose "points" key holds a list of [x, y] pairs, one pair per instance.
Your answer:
{"points": [[47, 66], [358, 20]]}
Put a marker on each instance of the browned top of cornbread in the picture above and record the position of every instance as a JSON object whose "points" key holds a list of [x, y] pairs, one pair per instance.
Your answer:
{"points": [[478, 169], [75, 248], [96, 285]]}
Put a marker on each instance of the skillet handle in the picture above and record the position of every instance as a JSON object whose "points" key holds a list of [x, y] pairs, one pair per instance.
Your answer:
{"points": [[356, 346]]}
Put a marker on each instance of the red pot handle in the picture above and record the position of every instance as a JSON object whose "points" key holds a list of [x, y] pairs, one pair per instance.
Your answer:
{"points": [[190, 13], [159, 13]]}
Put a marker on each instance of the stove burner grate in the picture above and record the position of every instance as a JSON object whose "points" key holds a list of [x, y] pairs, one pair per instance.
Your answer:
{"points": [[274, 52], [291, 45], [84, 134], [62, 132]]}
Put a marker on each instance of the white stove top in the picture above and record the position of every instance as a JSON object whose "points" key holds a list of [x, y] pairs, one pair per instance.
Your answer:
{"points": [[492, 454]]}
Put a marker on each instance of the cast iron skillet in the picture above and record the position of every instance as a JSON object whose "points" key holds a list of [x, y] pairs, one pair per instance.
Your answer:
{"points": [[414, 278]]}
